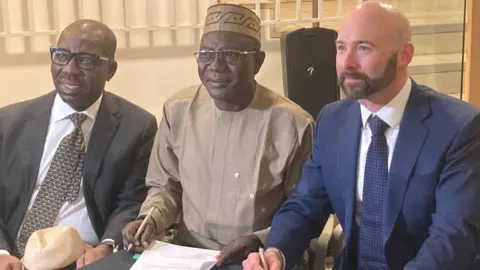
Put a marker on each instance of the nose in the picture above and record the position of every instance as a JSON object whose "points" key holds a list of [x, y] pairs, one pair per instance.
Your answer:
{"points": [[347, 60], [71, 67], [218, 64]]}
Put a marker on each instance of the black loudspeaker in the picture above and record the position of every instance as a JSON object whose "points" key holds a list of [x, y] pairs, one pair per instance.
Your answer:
{"points": [[308, 67]]}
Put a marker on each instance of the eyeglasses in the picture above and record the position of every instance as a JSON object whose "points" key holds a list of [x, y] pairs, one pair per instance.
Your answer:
{"points": [[84, 60], [230, 57]]}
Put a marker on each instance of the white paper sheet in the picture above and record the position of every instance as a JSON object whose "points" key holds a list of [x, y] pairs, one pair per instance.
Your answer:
{"points": [[165, 256]]}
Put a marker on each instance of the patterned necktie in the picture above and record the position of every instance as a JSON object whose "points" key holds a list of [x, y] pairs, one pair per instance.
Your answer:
{"points": [[371, 253], [61, 184]]}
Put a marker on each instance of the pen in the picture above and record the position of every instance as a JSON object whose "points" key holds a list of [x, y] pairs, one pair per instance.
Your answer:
{"points": [[142, 226], [262, 258]]}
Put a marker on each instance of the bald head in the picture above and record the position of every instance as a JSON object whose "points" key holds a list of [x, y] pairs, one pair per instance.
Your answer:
{"points": [[92, 31], [373, 52], [83, 62], [383, 21]]}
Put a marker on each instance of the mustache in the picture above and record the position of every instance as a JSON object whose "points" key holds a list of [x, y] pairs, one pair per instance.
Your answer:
{"points": [[353, 75], [69, 79]]}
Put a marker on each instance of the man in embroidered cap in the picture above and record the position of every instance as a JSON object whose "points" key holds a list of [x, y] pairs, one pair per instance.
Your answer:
{"points": [[228, 152]]}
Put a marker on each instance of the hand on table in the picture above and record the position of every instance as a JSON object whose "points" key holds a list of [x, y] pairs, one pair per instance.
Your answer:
{"points": [[8, 262], [94, 254], [238, 249], [272, 259], [145, 238]]}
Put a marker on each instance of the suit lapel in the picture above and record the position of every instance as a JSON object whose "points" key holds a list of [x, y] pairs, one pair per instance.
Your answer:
{"points": [[410, 139], [104, 129], [34, 136], [347, 159]]}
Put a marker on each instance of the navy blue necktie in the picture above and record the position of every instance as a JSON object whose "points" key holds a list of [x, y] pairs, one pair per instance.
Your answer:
{"points": [[370, 250]]}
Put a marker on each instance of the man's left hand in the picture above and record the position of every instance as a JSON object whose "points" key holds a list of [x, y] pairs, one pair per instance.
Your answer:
{"points": [[94, 254], [238, 249]]}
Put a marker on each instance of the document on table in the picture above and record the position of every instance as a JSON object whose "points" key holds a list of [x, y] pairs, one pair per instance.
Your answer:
{"points": [[165, 256]]}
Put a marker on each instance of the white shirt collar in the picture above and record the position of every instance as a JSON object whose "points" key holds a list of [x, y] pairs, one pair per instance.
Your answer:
{"points": [[62, 110], [392, 112]]}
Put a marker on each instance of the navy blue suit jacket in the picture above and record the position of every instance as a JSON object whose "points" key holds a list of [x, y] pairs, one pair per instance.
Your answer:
{"points": [[432, 215]]}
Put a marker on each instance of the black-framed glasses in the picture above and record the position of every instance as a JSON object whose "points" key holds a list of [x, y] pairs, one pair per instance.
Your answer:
{"points": [[231, 57], [84, 60]]}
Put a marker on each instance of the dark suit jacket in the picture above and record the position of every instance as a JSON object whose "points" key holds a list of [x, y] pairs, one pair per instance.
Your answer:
{"points": [[432, 215], [114, 170]]}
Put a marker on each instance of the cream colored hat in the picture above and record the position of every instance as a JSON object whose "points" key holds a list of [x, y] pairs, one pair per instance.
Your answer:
{"points": [[53, 248], [232, 18]]}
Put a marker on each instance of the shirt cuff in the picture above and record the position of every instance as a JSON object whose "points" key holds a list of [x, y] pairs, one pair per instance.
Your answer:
{"points": [[4, 252], [157, 218], [262, 235]]}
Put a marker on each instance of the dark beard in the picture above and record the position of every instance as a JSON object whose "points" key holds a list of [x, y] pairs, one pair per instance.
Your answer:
{"points": [[370, 85]]}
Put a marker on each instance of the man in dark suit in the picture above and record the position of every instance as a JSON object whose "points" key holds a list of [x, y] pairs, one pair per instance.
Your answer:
{"points": [[397, 162], [76, 156]]}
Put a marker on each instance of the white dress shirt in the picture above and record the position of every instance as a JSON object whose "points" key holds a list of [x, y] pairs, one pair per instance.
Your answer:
{"points": [[71, 214], [392, 115]]}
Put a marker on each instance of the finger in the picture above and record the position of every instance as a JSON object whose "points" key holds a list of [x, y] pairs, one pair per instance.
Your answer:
{"points": [[125, 238], [6, 266], [125, 242], [15, 265], [246, 264], [225, 254], [252, 262], [147, 235], [139, 249], [219, 255], [254, 258], [80, 261], [128, 233], [127, 246], [89, 258], [272, 260]]}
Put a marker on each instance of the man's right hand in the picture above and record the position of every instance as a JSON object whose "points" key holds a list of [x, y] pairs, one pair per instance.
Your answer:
{"points": [[146, 235], [8, 262], [253, 262]]}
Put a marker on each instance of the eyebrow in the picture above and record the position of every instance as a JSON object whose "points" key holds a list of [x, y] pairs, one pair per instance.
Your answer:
{"points": [[357, 42], [92, 53], [225, 49]]}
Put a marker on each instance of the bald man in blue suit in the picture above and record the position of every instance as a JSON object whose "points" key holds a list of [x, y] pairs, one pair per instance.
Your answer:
{"points": [[397, 162]]}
